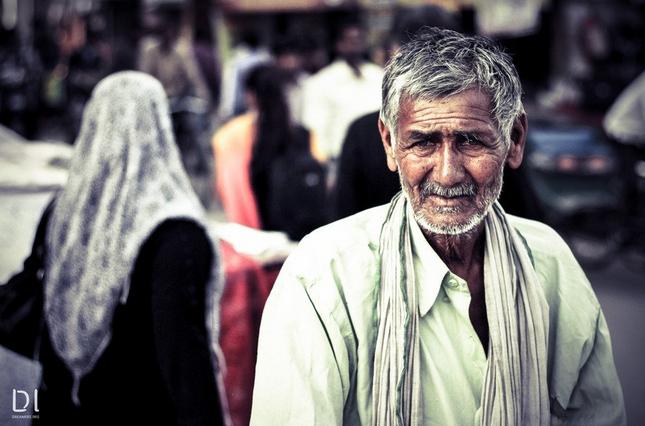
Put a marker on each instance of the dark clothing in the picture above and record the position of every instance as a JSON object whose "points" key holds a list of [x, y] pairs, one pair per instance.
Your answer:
{"points": [[20, 85], [518, 195], [628, 156], [290, 187], [154, 370], [365, 181], [363, 178], [209, 66]]}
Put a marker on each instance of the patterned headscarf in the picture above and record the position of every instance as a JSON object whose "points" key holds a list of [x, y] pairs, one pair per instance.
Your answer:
{"points": [[126, 178]]}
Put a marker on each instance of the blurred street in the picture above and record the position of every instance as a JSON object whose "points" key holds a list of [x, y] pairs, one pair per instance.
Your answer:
{"points": [[30, 173], [621, 292]]}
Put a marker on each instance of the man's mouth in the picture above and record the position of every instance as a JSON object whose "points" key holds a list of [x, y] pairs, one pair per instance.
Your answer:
{"points": [[448, 195], [442, 201]]}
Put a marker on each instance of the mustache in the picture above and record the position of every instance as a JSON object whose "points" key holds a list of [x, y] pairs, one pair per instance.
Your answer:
{"points": [[466, 189]]}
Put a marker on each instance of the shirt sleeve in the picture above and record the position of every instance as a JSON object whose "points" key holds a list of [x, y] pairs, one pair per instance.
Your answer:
{"points": [[583, 382], [298, 380], [597, 398]]}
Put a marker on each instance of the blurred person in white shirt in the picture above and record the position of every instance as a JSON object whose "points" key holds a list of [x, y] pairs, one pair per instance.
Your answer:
{"points": [[341, 92]]}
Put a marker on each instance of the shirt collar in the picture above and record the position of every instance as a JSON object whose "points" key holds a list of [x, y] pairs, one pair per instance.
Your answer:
{"points": [[429, 269]]}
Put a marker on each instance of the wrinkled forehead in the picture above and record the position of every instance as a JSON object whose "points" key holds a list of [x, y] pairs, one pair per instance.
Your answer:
{"points": [[465, 99]]}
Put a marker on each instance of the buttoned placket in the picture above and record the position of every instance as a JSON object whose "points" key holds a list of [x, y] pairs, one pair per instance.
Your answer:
{"points": [[436, 284], [457, 292]]}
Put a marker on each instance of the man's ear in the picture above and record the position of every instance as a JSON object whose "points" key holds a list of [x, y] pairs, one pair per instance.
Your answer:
{"points": [[386, 138], [518, 142]]}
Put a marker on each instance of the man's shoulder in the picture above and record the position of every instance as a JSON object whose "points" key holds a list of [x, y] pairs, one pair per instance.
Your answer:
{"points": [[362, 227], [331, 72], [537, 233], [344, 240], [369, 120], [561, 276], [363, 133], [326, 75], [372, 70], [544, 242]]}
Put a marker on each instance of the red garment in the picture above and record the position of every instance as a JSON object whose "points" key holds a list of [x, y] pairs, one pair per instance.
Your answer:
{"points": [[248, 284]]}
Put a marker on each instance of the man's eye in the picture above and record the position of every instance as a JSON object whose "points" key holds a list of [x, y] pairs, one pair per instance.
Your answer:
{"points": [[424, 143], [470, 141]]}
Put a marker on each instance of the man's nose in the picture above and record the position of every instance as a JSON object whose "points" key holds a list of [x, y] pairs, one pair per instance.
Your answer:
{"points": [[448, 168]]}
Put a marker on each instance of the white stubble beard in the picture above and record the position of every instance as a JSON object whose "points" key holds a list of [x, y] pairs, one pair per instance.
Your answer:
{"points": [[490, 195]]}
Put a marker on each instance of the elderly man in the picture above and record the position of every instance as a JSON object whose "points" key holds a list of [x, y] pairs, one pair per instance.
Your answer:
{"points": [[438, 308]]}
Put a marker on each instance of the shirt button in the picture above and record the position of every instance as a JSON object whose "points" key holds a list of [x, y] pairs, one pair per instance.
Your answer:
{"points": [[446, 299], [453, 283]]}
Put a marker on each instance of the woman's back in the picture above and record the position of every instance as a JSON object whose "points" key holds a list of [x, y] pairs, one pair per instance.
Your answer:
{"points": [[152, 371], [132, 280]]}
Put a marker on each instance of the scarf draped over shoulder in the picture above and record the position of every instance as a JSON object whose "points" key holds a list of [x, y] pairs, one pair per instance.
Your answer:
{"points": [[515, 391]]}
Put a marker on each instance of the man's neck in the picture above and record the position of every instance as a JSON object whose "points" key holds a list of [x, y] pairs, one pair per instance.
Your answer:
{"points": [[464, 256], [463, 253], [355, 64]]}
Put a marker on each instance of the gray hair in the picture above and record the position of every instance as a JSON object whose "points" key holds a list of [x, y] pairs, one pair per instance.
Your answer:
{"points": [[440, 63]]}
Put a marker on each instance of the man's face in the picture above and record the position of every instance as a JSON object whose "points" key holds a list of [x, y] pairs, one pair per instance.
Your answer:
{"points": [[450, 158], [352, 43], [290, 62]]}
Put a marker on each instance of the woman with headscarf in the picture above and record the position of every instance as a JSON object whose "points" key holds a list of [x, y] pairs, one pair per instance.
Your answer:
{"points": [[133, 277]]}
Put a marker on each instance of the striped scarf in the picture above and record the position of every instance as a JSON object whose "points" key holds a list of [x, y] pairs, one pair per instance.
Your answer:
{"points": [[515, 389]]}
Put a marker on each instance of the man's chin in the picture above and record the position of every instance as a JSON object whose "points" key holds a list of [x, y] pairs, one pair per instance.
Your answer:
{"points": [[449, 226]]}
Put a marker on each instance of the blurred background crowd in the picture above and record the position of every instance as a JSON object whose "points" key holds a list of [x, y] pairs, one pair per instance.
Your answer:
{"points": [[574, 57], [573, 53]]}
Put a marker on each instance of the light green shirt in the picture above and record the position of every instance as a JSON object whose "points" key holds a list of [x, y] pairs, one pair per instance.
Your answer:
{"points": [[317, 337]]}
